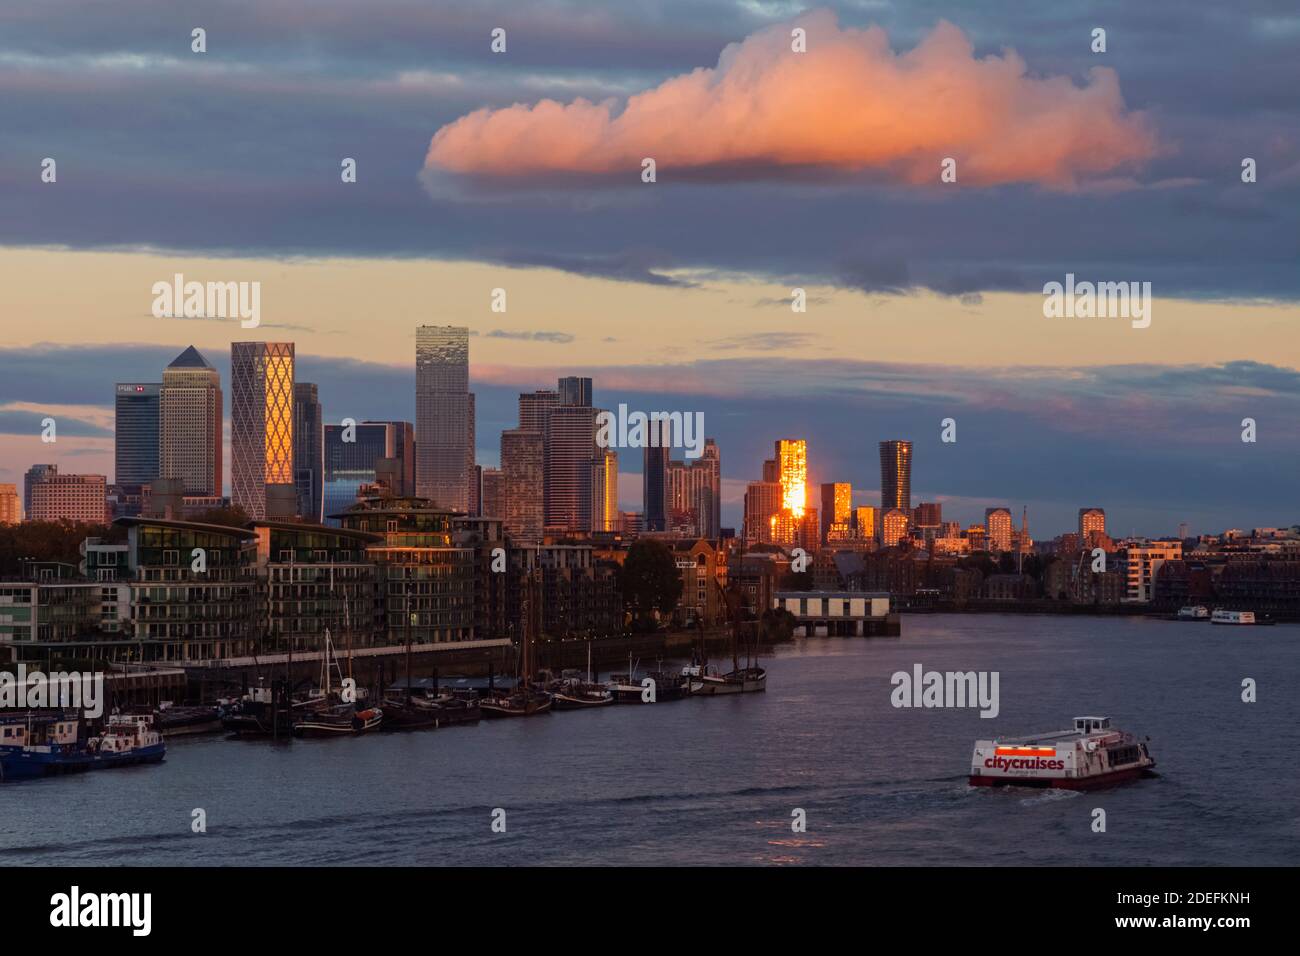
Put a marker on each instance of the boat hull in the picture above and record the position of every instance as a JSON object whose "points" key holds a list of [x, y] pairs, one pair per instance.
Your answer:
{"points": [[713, 686], [565, 702], [493, 708], [1094, 782], [30, 766]]}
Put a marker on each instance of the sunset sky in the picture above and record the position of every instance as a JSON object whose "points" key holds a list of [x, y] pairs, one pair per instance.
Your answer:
{"points": [[775, 170]]}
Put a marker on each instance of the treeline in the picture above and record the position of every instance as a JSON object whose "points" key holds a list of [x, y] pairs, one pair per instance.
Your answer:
{"points": [[48, 541]]}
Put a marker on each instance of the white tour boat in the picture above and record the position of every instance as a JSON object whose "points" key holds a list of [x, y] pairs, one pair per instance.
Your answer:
{"points": [[1093, 754]]}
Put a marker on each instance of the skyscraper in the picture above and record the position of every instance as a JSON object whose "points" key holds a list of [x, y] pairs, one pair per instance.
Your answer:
{"points": [[762, 502], [137, 411], [189, 429], [1091, 519], [896, 475], [654, 477], [472, 486], [535, 408], [522, 468], [604, 491], [70, 498], [442, 413], [261, 429], [792, 469], [570, 448], [308, 450], [695, 492], [492, 493], [349, 465], [837, 506], [574, 390]]}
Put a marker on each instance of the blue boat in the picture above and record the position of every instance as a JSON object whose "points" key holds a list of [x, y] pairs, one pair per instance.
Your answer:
{"points": [[42, 744]]}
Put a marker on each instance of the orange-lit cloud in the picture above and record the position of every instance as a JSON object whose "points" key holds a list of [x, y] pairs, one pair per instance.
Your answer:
{"points": [[849, 104]]}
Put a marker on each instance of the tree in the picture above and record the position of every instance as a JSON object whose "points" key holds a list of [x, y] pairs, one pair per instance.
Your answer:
{"points": [[649, 579], [233, 516]]}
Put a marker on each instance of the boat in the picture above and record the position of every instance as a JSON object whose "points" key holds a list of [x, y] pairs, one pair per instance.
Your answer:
{"points": [[40, 744], [429, 709], [257, 714], [1196, 612], [740, 680], [1093, 754], [1221, 616], [173, 721], [570, 692], [127, 739], [525, 700], [340, 720], [708, 681]]}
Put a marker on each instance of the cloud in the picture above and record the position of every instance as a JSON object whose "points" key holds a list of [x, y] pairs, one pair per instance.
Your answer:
{"points": [[636, 265], [524, 335], [848, 105]]}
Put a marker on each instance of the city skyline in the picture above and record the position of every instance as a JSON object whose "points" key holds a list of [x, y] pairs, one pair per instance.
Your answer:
{"points": [[933, 315]]}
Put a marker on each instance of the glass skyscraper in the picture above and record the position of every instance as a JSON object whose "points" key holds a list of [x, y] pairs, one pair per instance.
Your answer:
{"points": [[308, 450], [895, 475], [261, 428], [351, 464], [137, 411], [442, 415]]}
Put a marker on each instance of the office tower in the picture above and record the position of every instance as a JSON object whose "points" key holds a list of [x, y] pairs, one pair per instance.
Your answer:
{"points": [[400, 442], [136, 411], [771, 471], [472, 490], [535, 408], [442, 429], [35, 474], [604, 491], [792, 468], [261, 429], [570, 447], [1091, 519], [695, 492], [11, 511], [574, 391], [928, 514], [864, 522], [189, 429], [654, 477], [58, 497], [308, 451], [492, 491], [476, 491], [837, 507], [352, 465], [893, 526], [522, 468], [998, 525], [762, 502], [631, 523], [896, 475]]}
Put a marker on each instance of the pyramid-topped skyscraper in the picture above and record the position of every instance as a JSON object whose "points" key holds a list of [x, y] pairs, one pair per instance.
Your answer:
{"points": [[189, 425]]}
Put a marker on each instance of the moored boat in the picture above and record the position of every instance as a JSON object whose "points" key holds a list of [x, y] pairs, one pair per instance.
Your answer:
{"points": [[127, 739], [40, 744], [1221, 616], [742, 680], [517, 703], [1093, 754], [1194, 612], [338, 721]]}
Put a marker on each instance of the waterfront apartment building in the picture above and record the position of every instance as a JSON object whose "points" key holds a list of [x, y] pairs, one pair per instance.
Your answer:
{"points": [[443, 444], [315, 579], [137, 414], [425, 577], [58, 497], [261, 429], [11, 511], [189, 424], [181, 612], [522, 478], [1142, 564], [895, 475], [999, 526], [308, 451]]}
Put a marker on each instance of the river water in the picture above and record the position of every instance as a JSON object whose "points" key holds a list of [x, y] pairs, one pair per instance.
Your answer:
{"points": [[716, 781]]}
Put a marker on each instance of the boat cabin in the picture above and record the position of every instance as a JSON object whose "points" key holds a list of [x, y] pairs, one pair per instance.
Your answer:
{"points": [[1091, 725]]}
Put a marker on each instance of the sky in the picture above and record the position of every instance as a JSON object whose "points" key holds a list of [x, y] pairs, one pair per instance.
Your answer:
{"points": [[775, 170]]}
